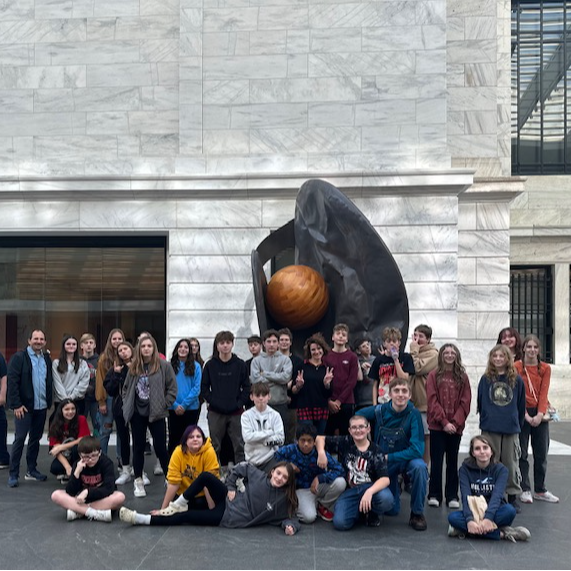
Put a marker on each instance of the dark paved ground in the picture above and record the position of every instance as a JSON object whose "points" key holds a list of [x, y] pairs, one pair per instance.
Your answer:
{"points": [[35, 535]]}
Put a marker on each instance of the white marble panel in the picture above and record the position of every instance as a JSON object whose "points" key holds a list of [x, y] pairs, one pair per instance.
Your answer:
{"points": [[480, 27], [226, 44], [37, 77], [24, 124], [475, 354], [155, 122], [389, 38], [36, 31], [75, 147], [431, 111], [23, 147], [38, 215], [17, 9], [107, 99], [396, 210], [444, 323], [428, 267], [160, 145], [403, 87], [268, 42], [257, 164], [191, 19], [151, 7], [276, 213], [297, 65], [143, 215], [227, 142], [467, 271], [159, 50], [331, 114], [86, 53], [190, 118], [190, 68], [483, 298], [437, 239], [489, 324], [490, 243], [107, 8], [276, 115], [232, 92], [83, 8], [124, 28], [190, 142], [471, 51], [16, 101], [474, 146], [216, 117], [190, 92], [368, 161], [207, 324], [109, 122], [493, 271], [159, 98], [17, 55], [427, 295], [466, 324], [472, 98], [212, 297], [330, 40], [308, 140], [309, 89], [481, 74], [385, 112], [228, 214], [190, 45], [47, 9], [297, 41], [190, 165], [282, 17], [431, 62], [467, 8], [120, 75], [360, 64], [252, 67], [210, 269], [481, 122], [230, 19], [493, 216], [361, 14], [214, 241], [53, 100]]}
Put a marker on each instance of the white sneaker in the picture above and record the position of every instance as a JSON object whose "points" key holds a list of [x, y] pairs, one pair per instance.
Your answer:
{"points": [[453, 532], [71, 515], [139, 488], [158, 469], [127, 515], [124, 477], [98, 515], [146, 480], [546, 497], [515, 534], [526, 497], [454, 504], [433, 503]]}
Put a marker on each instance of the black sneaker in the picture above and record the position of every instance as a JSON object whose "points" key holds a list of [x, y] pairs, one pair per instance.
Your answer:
{"points": [[373, 520], [417, 522], [148, 450], [35, 476], [512, 499]]}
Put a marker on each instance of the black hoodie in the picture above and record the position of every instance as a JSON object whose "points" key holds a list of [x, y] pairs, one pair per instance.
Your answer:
{"points": [[225, 385]]}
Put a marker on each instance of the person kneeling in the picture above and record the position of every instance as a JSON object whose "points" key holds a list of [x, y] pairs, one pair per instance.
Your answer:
{"points": [[90, 491]]}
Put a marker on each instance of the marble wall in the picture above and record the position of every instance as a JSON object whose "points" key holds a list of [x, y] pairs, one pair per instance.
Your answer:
{"points": [[123, 87]]}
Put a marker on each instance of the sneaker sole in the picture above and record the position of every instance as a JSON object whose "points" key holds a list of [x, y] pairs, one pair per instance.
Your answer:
{"points": [[546, 500], [32, 479]]}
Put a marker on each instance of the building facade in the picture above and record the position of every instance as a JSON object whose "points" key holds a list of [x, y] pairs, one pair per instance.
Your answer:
{"points": [[196, 121]]}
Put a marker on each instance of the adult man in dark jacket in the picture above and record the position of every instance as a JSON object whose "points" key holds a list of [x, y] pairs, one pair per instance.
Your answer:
{"points": [[29, 396]]}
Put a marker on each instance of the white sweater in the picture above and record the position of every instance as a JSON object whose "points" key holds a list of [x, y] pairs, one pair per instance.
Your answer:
{"points": [[263, 434], [70, 385]]}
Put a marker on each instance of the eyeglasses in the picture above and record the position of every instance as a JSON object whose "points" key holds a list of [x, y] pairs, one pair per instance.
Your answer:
{"points": [[92, 456], [359, 427]]}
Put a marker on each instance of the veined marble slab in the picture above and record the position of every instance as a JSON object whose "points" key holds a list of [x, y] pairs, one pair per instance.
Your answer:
{"points": [[361, 64], [30, 124], [309, 89], [251, 67], [30, 216], [84, 53], [308, 140], [431, 295], [129, 28], [271, 115], [209, 323], [131, 214], [226, 44], [75, 147], [121, 75], [426, 239], [210, 297], [213, 241], [483, 298], [268, 42], [153, 122], [210, 269], [48, 9], [361, 14], [159, 98], [35, 31], [159, 50], [107, 99], [106, 8], [53, 100], [330, 40], [16, 101], [235, 214], [17, 55], [282, 17], [46, 77], [230, 19], [152, 7], [230, 92]]}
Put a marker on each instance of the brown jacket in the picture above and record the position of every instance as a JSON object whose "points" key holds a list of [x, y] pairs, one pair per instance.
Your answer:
{"points": [[425, 359]]}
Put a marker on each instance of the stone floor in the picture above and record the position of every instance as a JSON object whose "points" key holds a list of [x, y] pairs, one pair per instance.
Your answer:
{"points": [[35, 535]]}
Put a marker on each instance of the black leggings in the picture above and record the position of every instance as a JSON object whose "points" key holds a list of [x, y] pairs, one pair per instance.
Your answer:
{"points": [[211, 517], [158, 430], [124, 435]]}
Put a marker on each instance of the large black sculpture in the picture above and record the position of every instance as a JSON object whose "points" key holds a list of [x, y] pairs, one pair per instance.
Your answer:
{"points": [[332, 236]]}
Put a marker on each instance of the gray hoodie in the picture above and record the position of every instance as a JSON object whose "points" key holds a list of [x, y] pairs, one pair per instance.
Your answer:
{"points": [[260, 503], [275, 370]]}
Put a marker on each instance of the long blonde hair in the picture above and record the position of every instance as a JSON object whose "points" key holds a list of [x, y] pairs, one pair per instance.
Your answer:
{"points": [[535, 339], [511, 372], [109, 356], [137, 363]]}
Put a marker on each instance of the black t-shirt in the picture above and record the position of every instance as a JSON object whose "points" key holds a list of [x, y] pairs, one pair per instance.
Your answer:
{"points": [[142, 393], [3, 367], [383, 371], [361, 467]]}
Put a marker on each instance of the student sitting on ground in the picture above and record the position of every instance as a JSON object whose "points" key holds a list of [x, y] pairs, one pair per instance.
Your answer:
{"points": [[66, 430], [266, 499], [317, 488], [262, 429], [90, 491], [400, 435], [192, 457], [482, 476], [366, 473]]}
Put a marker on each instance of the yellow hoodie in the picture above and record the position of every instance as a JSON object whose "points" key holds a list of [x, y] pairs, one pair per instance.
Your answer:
{"points": [[185, 467]]}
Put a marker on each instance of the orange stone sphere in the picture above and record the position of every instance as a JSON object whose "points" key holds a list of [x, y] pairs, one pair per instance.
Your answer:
{"points": [[297, 297]]}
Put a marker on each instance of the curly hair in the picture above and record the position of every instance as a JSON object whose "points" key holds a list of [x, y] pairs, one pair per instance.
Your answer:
{"points": [[492, 372], [458, 370], [318, 339]]}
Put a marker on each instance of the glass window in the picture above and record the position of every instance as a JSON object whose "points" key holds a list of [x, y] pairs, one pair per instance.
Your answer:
{"points": [[81, 284], [541, 54]]}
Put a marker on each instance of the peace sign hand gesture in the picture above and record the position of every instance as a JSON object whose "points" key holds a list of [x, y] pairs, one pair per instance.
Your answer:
{"points": [[328, 376]]}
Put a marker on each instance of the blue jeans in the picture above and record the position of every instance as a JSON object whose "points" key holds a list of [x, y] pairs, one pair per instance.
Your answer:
{"points": [[32, 424], [347, 505], [92, 410], [4, 456], [504, 516], [106, 426], [417, 473]]}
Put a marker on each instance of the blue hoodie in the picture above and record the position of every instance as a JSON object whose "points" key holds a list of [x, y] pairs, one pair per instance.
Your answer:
{"points": [[188, 388], [501, 407], [409, 420]]}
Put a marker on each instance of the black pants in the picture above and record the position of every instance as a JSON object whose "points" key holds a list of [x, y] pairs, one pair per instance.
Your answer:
{"points": [[57, 468], [178, 424], [540, 447], [443, 444], [340, 420], [213, 517], [139, 425], [124, 437]]}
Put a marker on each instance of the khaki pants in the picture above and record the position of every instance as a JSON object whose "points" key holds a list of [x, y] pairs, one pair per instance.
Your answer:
{"points": [[508, 452]]}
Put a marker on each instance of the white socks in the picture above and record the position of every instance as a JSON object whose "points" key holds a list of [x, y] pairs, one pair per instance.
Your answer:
{"points": [[142, 519], [181, 501]]}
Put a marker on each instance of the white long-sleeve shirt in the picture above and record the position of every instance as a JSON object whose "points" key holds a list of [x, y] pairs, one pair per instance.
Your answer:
{"points": [[263, 434]]}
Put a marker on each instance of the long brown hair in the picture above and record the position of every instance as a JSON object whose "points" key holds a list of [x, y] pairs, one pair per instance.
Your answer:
{"points": [[109, 356], [289, 487], [535, 339], [62, 362], [137, 364], [458, 370], [491, 371], [518, 346]]}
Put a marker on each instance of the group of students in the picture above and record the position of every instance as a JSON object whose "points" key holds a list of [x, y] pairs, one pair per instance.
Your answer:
{"points": [[332, 396]]}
